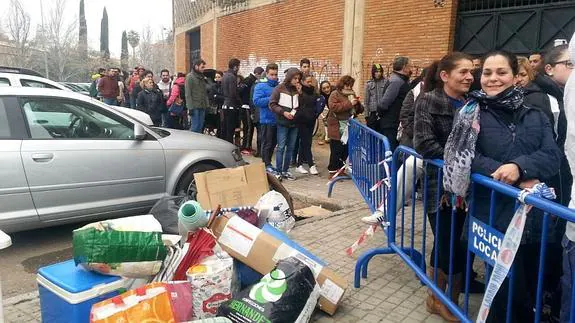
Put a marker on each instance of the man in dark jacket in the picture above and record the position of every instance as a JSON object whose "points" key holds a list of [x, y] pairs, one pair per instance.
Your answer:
{"points": [[197, 95], [246, 113], [374, 90], [262, 93], [232, 101], [395, 93]]}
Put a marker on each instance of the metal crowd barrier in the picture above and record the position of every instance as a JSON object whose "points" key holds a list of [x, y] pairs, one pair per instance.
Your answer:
{"points": [[367, 151]]}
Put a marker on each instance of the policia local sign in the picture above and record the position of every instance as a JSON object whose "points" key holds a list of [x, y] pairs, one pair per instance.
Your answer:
{"points": [[484, 240]]}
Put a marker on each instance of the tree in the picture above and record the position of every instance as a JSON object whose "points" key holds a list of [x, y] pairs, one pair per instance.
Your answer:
{"points": [[125, 55], [134, 40], [104, 39], [83, 33], [19, 30]]}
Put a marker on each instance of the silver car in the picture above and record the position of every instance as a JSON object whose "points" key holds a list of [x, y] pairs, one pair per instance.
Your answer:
{"points": [[66, 158]]}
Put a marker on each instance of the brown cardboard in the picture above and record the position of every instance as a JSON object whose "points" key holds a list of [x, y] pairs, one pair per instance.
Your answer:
{"points": [[261, 254], [232, 187]]}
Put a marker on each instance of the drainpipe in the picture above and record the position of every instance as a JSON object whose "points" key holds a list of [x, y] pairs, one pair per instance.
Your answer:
{"points": [[215, 35]]}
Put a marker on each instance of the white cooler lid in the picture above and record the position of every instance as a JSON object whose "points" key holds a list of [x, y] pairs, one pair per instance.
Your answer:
{"points": [[5, 240]]}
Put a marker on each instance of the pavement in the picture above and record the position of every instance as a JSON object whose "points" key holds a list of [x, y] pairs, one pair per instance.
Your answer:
{"points": [[391, 293]]}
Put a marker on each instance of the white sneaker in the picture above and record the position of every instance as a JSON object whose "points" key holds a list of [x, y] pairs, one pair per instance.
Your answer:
{"points": [[301, 170], [313, 170], [375, 218]]}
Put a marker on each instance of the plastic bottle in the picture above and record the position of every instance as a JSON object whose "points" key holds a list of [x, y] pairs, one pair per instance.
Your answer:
{"points": [[191, 217]]}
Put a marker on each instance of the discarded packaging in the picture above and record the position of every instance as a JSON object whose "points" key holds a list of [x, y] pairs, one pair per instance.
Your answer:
{"points": [[231, 187], [130, 247], [274, 209], [288, 293], [261, 252]]}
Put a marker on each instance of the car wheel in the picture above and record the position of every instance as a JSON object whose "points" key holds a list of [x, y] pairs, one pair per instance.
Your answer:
{"points": [[187, 184]]}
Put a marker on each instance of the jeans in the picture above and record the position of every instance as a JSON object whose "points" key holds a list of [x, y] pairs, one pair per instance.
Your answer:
{"points": [[198, 119], [111, 101], [566, 279], [305, 140], [286, 145], [269, 134], [409, 164]]}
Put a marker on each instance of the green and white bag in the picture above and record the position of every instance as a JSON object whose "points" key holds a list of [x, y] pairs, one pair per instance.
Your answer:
{"points": [[130, 247]]}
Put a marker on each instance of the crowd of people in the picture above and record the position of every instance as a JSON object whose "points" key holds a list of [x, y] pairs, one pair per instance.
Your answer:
{"points": [[521, 138], [507, 119]]}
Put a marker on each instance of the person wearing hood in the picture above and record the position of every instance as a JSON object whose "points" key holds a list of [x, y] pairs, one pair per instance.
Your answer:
{"points": [[309, 109], [176, 103], [374, 90], [267, 119], [150, 100], [284, 102], [569, 238]]}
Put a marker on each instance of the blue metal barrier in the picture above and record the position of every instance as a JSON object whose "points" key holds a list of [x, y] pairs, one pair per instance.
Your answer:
{"points": [[367, 170]]}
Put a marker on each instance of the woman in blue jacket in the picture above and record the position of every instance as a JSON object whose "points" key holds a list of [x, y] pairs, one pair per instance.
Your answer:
{"points": [[515, 145]]}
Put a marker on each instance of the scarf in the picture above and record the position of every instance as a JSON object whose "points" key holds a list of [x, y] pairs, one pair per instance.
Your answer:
{"points": [[460, 147]]}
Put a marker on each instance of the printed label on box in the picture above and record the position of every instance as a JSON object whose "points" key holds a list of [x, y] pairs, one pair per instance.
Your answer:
{"points": [[239, 236], [331, 291], [284, 251]]}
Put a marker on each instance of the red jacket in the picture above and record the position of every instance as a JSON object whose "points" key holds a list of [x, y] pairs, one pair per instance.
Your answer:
{"points": [[108, 87], [175, 92]]}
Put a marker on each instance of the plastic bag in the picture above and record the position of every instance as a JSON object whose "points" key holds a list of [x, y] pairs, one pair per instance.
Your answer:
{"points": [[166, 212], [213, 282], [289, 293], [130, 247], [150, 303], [274, 209], [181, 298]]}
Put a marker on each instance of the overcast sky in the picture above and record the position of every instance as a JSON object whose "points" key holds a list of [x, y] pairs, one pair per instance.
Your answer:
{"points": [[122, 15]]}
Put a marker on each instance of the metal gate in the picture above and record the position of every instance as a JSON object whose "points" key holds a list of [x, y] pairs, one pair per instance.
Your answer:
{"points": [[518, 26]]}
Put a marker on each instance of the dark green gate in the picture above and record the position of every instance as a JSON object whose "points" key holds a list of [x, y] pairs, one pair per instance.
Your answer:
{"points": [[518, 26]]}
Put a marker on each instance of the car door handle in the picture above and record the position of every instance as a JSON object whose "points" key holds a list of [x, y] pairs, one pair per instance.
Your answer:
{"points": [[42, 158]]}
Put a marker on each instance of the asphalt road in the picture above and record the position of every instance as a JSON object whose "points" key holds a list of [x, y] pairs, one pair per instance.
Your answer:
{"points": [[31, 250]]}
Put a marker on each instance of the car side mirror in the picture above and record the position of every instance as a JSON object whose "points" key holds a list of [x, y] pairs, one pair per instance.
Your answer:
{"points": [[139, 132]]}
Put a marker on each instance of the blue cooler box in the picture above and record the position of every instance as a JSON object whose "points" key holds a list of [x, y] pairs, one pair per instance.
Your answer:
{"points": [[67, 292]]}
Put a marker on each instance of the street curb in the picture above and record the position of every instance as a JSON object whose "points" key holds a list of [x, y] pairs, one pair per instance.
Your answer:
{"points": [[14, 300]]}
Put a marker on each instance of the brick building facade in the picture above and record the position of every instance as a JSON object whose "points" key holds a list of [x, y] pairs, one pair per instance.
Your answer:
{"points": [[348, 36]]}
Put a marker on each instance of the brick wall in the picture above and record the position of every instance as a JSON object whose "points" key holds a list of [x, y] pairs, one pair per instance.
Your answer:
{"points": [[206, 33], [182, 52], [286, 31], [413, 28]]}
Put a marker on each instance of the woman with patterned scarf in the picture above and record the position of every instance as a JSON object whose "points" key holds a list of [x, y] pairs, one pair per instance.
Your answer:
{"points": [[497, 135], [445, 86]]}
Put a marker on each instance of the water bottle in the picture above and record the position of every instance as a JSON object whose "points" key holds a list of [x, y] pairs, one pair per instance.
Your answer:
{"points": [[191, 217]]}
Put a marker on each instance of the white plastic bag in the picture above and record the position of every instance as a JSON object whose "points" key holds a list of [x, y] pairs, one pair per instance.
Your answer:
{"points": [[274, 209]]}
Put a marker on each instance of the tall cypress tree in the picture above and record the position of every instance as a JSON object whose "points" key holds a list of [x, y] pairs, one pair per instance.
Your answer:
{"points": [[104, 40], [125, 55], [83, 34]]}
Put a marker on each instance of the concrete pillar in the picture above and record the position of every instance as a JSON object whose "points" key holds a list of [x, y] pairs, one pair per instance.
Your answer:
{"points": [[353, 26]]}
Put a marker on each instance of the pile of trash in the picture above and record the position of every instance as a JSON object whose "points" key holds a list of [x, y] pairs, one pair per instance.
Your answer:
{"points": [[185, 264]]}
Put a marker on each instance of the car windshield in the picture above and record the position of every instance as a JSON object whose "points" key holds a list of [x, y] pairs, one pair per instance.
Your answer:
{"points": [[161, 132]]}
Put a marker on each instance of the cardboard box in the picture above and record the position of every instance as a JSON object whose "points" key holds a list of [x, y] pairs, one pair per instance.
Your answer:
{"points": [[261, 251], [232, 187]]}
